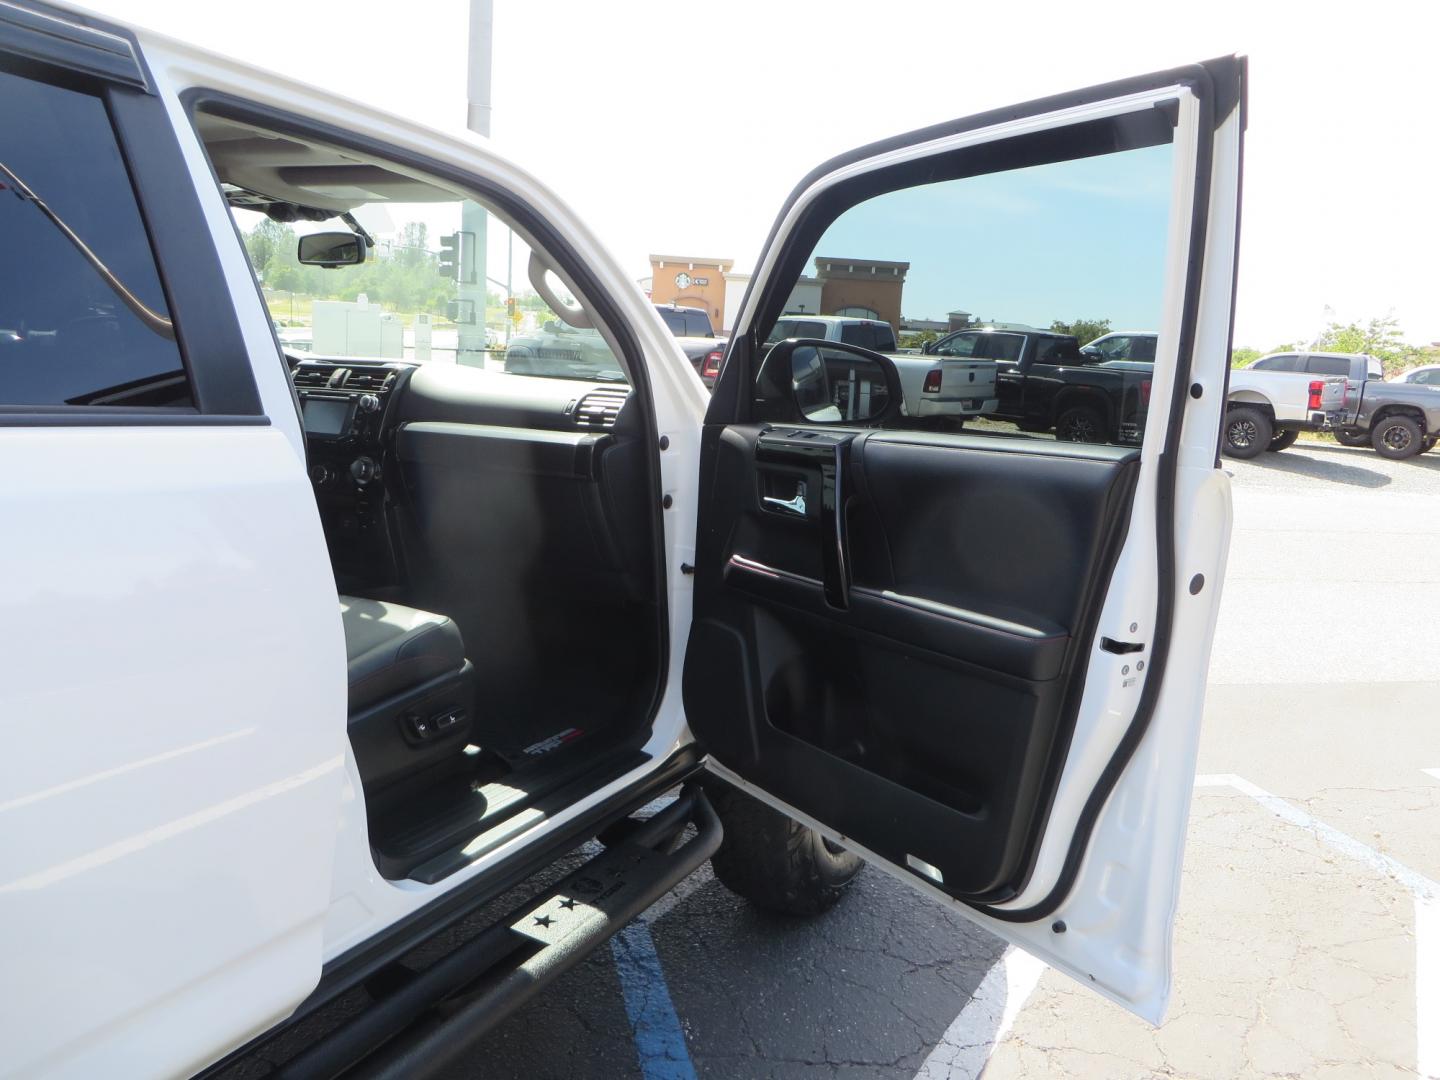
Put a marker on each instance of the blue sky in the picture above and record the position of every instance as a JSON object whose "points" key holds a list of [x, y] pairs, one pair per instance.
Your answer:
{"points": [[1078, 239]]}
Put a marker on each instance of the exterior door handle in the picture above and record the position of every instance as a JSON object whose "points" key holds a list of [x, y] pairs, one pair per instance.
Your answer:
{"points": [[794, 505]]}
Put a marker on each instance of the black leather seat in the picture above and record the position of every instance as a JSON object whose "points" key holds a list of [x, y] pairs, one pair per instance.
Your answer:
{"points": [[392, 648]]}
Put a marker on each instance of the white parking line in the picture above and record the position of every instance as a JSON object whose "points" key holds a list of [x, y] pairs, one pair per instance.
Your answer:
{"points": [[970, 1039], [1427, 909]]}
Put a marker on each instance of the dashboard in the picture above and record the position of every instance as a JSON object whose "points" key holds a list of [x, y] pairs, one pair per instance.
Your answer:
{"points": [[373, 426]]}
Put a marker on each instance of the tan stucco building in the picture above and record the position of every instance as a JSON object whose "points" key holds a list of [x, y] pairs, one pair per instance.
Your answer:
{"points": [[865, 288], [691, 282]]}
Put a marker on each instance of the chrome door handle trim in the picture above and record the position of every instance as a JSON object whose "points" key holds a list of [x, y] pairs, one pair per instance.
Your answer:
{"points": [[794, 506]]}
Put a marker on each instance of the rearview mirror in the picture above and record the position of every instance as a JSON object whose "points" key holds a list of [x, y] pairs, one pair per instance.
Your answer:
{"points": [[331, 249], [822, 382]]}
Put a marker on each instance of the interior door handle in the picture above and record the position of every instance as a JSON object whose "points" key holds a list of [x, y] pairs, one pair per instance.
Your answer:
{"points": [[795, 505]]}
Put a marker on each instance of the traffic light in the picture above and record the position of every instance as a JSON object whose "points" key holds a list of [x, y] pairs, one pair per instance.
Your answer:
{"points": [[457, 257]]}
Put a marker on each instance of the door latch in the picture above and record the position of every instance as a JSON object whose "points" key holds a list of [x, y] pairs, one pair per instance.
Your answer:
{"points": [[1121, 647], [795, 505]]}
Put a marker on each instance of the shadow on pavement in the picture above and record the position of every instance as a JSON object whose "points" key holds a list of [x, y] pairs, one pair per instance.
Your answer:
{"points": [[1300, 465]]}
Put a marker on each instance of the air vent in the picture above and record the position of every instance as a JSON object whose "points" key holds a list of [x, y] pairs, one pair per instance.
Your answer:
{"points": [[313, 375], [367, 380], [599, 408]]}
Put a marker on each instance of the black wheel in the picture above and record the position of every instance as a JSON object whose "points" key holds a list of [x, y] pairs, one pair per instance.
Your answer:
{"points": [[775, 862], [1352, 437], [1080, 423], [1396, 437], [1247, 432], [1283, 439]]}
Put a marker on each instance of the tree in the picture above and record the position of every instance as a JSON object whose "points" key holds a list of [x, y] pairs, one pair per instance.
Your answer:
{"points": [[1379, 337], [1083, 330], [1243, 356], [268, 239]]}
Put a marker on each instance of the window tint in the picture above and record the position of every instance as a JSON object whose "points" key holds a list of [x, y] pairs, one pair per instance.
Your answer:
{"points": [[958, 345], [1143, 349], [1327, 365], [875, 336], [1099, 211], [1002, 347], [1057, 351], [83, 319], [1114, 347], [697, 324], [1284, 362], [674, 320], [797, 328]]}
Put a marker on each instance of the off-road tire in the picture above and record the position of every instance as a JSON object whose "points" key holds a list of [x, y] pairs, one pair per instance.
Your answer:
{"points": [[1397, 437], [1283, 439], [1352, 437], [1246, 433], [1081, 423], [774, 862]]}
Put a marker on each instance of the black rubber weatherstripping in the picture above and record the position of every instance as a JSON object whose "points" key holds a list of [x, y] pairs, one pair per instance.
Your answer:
{"points": [[1201, 81]]}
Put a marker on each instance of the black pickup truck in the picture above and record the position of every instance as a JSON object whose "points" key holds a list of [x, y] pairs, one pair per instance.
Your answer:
{"points": [[1047, 383]]}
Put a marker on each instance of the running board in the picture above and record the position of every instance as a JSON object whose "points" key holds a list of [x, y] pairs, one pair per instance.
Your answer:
{"points": [[434, 1017]]}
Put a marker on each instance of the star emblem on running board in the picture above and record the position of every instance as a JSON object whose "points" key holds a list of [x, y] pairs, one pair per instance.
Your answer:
{"points": [[568, 904], [543, 920]]}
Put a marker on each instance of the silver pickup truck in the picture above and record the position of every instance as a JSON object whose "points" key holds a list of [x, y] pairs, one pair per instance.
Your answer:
{"points": [[937, 389]]}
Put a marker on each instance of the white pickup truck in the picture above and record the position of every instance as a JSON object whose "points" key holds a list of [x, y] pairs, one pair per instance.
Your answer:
{"points": [[936, 388], [1269, 404]]}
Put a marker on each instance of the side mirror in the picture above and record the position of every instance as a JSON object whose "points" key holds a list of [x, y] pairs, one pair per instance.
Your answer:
{"points": [[331, 249], [1090, 352], [927, 348], [822, 382]]}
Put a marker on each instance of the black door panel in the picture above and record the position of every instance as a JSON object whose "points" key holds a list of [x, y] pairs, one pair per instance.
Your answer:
{"points": [[942, 663]]}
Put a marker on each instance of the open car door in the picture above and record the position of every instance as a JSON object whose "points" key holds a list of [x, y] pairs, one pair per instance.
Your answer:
{"points": [[973, 653]]}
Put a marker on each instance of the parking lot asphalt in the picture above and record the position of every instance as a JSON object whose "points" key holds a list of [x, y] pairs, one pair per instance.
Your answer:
{"points": [[1308, 934]]}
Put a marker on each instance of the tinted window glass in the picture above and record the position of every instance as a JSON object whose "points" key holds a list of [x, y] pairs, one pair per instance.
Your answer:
{"points": [[1113, 348], [1277, 363], [697, 324], [1142, 348], [1070, 237], [1327, 365], [76, 328], [959, 345], [1057, 351], [674, 320], [1001, 346], [798, 328]]}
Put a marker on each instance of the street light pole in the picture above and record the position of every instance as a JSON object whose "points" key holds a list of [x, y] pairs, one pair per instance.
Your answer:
{"points": [[475, 218]]}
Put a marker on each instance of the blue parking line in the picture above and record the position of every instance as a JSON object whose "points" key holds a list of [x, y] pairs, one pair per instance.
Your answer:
{"points": [[659, 1042]]}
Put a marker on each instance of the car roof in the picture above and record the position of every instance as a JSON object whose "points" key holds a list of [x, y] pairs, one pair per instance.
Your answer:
{"points": [[833, 318]]}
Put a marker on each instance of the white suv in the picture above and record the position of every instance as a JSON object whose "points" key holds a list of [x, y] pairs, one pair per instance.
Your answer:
{"points": [[310, 656]]}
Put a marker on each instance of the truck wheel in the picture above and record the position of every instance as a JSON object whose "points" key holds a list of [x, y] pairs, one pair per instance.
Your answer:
{"points": [[1283, 439], [1428, 443], [774, 862], [1247, 432], [1396, 437], [1352, 437], [1080, 423]]}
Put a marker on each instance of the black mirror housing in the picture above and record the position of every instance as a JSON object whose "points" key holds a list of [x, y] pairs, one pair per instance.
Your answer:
{"points": [[331, 249], [806, 380]]}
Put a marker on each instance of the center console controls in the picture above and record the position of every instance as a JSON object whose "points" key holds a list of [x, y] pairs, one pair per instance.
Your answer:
{"points": [[343, 405]]}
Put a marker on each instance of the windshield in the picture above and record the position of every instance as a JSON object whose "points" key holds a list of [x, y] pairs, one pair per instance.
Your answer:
{"points": [[445, 282]]}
